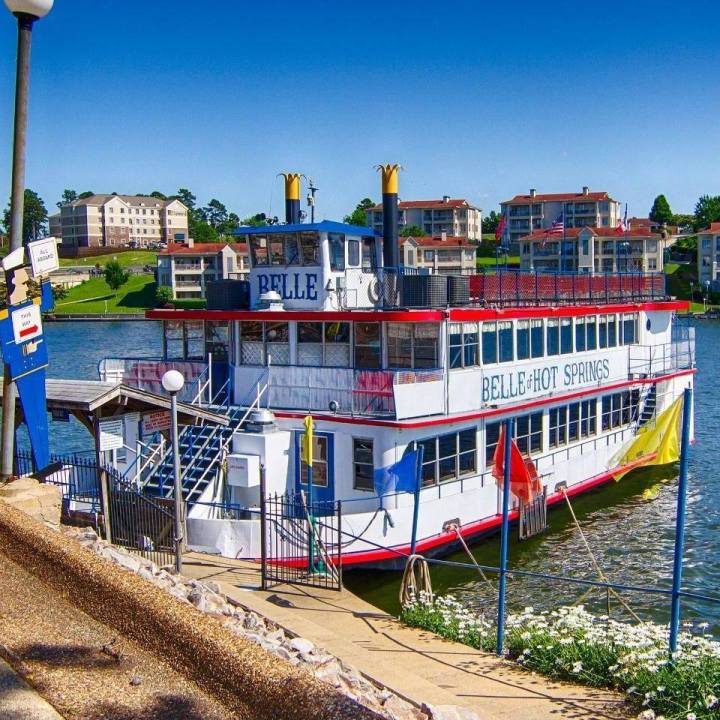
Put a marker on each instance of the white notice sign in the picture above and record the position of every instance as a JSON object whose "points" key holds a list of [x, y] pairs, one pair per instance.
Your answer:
{"points": [[111, 434], [44, 256], [154, 421], [26, 323]]}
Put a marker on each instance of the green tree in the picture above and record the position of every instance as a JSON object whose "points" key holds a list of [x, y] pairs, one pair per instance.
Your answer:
{"points": [[163, 295], [201, 232], [35, 217], [412, 231], [115, 276], [86, 194], [228, 226], [185, 197], [258, 220], [358, 216], [67, 197], [683, 220], [707, 210], [660, 212], [157, 194], [490, 222], [215, 213]]}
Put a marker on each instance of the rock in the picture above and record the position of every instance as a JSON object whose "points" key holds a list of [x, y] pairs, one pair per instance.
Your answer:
{"points": [[207, 601], [282, 652], [41, 501], [316, 659], [124, 559], [212, 586], [449, 712], [302, 645], [399, 709], [146, 574], [276, 636], [251, 621], [135, 681]]}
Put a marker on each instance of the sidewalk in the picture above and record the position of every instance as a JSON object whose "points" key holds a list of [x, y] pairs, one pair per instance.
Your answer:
{"points": [[413, 663], [18, 701]]}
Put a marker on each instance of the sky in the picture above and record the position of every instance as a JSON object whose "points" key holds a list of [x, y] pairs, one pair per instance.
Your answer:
{"points": [[474, 99]]}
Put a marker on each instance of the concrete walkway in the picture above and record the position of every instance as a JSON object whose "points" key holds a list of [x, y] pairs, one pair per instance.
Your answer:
{"points": [[415, 664], [18, 701]]}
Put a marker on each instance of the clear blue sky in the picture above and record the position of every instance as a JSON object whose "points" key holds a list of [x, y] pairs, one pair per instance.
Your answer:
{"points": [[475, 99]]}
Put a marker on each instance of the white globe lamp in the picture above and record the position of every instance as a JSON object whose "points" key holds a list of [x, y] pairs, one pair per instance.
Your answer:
{"points": [[173, 381], [36, 8]]}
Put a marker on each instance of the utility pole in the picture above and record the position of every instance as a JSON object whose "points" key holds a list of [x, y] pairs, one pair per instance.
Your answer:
{"points": [[311, 199]]}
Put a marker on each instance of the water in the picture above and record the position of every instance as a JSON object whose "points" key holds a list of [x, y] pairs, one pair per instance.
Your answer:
{"points": [[629, 525]]}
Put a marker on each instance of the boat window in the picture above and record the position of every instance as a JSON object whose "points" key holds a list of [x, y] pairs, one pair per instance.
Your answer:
{"points": [[277, 250], [367, 346], [537, 339], [449, 457], [557, 420], [174, 340], [291, 249], [413, 345], [337, 344], [463, 345], [574, 421], [310, 343], [602, 331], [566, 338], [310, 248], [399, 338], [319, 461], [527, 431], [591, 333], [571, 422], [337, 251], [619, 409], [522, 332], [553, 336], [369, 258], [217, 339], [505, 341], [363, 466], [259, 250], [489, 343], [262, 342], [629, 329], [195, 340], [277, 341], [353, 253], [580, 334], [588, 418], [612, 330]]}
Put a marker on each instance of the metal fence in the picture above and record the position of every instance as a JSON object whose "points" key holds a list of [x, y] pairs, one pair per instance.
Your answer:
{"points": [[301, 543]]}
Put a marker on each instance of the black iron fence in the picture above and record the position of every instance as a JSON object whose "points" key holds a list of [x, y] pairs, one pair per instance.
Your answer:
{"points": [[301, 542]]}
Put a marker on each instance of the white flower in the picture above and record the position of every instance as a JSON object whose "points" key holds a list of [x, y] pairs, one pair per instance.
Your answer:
{"points": [[647, 715], [577, 667], [711, 702], [691, 716]]}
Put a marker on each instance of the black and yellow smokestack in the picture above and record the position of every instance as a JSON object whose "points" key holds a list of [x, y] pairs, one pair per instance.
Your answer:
{"points": [[292, 197], [391, 251]]}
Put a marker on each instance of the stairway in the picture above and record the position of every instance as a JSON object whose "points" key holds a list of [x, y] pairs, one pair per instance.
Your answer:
{"points": [[649, 405]]}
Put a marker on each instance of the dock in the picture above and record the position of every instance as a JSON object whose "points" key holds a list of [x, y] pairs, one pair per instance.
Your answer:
{"points": [[415, 664]]}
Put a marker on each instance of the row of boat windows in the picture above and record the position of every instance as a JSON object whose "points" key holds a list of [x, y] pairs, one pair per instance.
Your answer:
{"points": [[487, 343], [417, 345]]}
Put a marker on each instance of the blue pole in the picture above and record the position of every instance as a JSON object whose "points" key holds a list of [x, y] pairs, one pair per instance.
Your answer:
{"points": [[680, 521], [416, 505], [311, 520], [504, 537]]}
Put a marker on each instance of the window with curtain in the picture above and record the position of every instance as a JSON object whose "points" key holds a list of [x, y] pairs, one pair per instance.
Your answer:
{"points": [[522, 336], [489, 343], [566, 336], [505, 341], [537, 339]]}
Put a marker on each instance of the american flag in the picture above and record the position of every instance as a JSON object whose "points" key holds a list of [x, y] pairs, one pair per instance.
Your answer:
{"points": [[558, 226]]}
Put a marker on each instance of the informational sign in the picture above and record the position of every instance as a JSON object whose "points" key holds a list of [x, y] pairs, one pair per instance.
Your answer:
{"points": [[111, 434], [154, 421], [131, 420], [300, 286], [26, 323], [44, 256]]}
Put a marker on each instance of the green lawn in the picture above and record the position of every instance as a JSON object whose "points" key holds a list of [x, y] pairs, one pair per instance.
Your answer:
{"points": [[95, 297], [126, 258]]}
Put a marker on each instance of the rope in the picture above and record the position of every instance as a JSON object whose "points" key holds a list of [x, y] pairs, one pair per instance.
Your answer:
{"points": [[318, 540], [471, 556], [413, 584], [598, 569]]}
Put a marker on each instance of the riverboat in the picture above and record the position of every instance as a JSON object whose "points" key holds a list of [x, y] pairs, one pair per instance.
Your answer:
{"points": [[387, 360]]}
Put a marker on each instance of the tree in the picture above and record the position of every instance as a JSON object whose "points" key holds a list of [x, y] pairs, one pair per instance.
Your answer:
{"points": [[412, 231], [660, 212], [185, 197], [490, 222], [86, 194], [157, 194], [358, 216], [67, 197], [115, 276], [683, 220], [201, 232], [257, 220], [35, 217], [215, 213], [163, 295], [707, 211]]}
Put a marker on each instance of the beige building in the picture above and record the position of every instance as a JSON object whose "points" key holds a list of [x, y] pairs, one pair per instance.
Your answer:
{"points": [[708, 257], [440, 255], [121, 221], [592, 249], [525, 214], [452, 216], [186, 268]]}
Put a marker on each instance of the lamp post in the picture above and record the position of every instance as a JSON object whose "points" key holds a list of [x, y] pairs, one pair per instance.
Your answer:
{"points": [[173, 383], [706, 297], [26, 12]]}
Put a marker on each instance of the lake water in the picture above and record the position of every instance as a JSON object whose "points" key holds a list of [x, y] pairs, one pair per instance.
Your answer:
{"points": [[629, 525]]}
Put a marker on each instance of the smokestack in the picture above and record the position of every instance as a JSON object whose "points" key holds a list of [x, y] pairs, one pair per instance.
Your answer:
{"points": [[391, 254], [533, 192], [292, 197], [586, 190]]}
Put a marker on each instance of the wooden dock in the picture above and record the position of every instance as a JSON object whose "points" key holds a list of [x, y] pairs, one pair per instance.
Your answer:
{"points": [[415, 664]]}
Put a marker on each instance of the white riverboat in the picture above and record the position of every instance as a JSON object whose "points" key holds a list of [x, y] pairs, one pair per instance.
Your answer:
{"points": [[387, 360]]}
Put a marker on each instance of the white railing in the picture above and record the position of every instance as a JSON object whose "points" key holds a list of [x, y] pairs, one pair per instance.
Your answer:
{"points": [[654, 360]]}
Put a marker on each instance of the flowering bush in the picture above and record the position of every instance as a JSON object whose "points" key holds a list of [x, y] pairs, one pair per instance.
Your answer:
{"points": [[573, 644]]}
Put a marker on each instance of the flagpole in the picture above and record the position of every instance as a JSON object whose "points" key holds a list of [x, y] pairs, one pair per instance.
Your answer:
{"points": [[504, 537], [416, 503]]}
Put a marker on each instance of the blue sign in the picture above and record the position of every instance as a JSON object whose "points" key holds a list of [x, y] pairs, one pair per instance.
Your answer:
{"points": [[290, 286]]}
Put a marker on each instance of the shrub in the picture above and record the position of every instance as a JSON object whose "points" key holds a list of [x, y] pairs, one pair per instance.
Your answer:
{"points": [[163, 295]]}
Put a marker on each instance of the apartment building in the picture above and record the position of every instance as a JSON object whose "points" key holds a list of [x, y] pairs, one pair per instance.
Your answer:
{"points": [[186, 268], [440, 255], [708, 257], [453, 216], [121, 221], [592, 249], [525, 214]]}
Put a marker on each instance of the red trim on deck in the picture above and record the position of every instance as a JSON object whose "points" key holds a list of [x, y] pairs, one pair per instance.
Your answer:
{"points": [[489, 412], [487, 524]]}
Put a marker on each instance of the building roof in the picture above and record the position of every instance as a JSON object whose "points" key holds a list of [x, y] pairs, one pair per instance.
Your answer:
{"points": [[601, 232], [557, 197], [452, 241], [714, 228], [202, 248], [429, 204], [134, 200], [323, 226]]}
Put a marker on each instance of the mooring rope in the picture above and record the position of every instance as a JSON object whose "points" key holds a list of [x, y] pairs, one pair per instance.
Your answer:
{"points": [[412, 585], [471, 556], [598, 569], [318, 539]]}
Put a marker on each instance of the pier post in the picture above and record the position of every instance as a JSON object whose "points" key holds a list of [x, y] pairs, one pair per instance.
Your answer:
{"points": [[504, 537], [263, 529], [680, 521]]}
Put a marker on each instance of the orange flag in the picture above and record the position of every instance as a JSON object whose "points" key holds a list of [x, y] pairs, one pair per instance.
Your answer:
{"points": [[524, 480]]}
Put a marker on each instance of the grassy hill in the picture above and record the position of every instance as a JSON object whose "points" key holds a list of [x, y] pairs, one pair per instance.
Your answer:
{"points": [[95, 297], [126, 258]]}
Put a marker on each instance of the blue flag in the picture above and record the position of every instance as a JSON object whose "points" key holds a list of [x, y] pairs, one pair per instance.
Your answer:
{"points": [[399, 477]]}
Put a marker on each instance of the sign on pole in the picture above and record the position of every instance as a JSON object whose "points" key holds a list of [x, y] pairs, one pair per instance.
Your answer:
{"points": [[111, 434], [44, 256], [156, 420], [26, 323]]}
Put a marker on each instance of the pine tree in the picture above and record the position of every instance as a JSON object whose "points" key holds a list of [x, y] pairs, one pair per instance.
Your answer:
{"points": [[660, 212]]}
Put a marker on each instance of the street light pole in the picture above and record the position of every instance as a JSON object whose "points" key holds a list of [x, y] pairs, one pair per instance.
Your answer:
{"points": [[26, 12], [173, 382]]}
